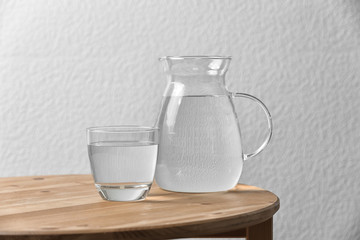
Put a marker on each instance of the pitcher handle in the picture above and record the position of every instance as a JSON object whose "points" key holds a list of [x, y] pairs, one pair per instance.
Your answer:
{"points": [[269, 121]]}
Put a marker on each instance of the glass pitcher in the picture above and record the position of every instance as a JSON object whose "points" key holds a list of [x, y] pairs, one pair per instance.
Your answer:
{"points": [[200, 143]]}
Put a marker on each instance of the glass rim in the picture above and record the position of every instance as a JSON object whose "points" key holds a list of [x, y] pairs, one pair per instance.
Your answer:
{"points": [[121, 129], [195, 57]]}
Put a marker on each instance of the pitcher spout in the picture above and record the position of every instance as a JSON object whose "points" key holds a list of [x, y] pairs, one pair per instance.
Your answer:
{"points": [[196, 75]]}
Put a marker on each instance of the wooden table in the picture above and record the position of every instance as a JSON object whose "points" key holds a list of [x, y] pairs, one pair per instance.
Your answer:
{"points": [[68, 207]]}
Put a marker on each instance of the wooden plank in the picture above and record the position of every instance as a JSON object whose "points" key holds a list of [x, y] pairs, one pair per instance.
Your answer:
{"points": [[68, 207]]}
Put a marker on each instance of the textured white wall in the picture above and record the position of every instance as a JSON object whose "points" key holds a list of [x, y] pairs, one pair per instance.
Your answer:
{"points": [[66, 65]]}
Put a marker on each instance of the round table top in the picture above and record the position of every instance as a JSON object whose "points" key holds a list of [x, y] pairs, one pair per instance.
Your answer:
{"points": [[67, 205]]}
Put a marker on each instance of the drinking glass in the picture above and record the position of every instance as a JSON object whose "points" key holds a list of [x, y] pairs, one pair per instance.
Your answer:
{"points": [[123, 160]]}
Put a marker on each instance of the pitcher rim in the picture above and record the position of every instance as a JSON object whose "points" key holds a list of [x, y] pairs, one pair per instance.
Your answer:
{"points": [[195, 57]]}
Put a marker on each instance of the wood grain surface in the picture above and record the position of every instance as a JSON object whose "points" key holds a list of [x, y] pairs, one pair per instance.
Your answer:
{"points": [[69, 207]]}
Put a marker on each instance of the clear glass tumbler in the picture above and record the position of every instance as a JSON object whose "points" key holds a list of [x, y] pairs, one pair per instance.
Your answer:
{"points": [[123, 160]]}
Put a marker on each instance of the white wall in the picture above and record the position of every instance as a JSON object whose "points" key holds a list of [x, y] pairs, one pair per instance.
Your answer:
{"points": [[66, 65]]}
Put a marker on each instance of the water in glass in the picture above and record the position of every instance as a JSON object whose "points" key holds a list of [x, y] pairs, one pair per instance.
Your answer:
{"points": [[125, 166]]}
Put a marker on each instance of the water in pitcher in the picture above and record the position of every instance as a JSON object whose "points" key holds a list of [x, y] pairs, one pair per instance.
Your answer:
{"points": [[200, 147]]}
